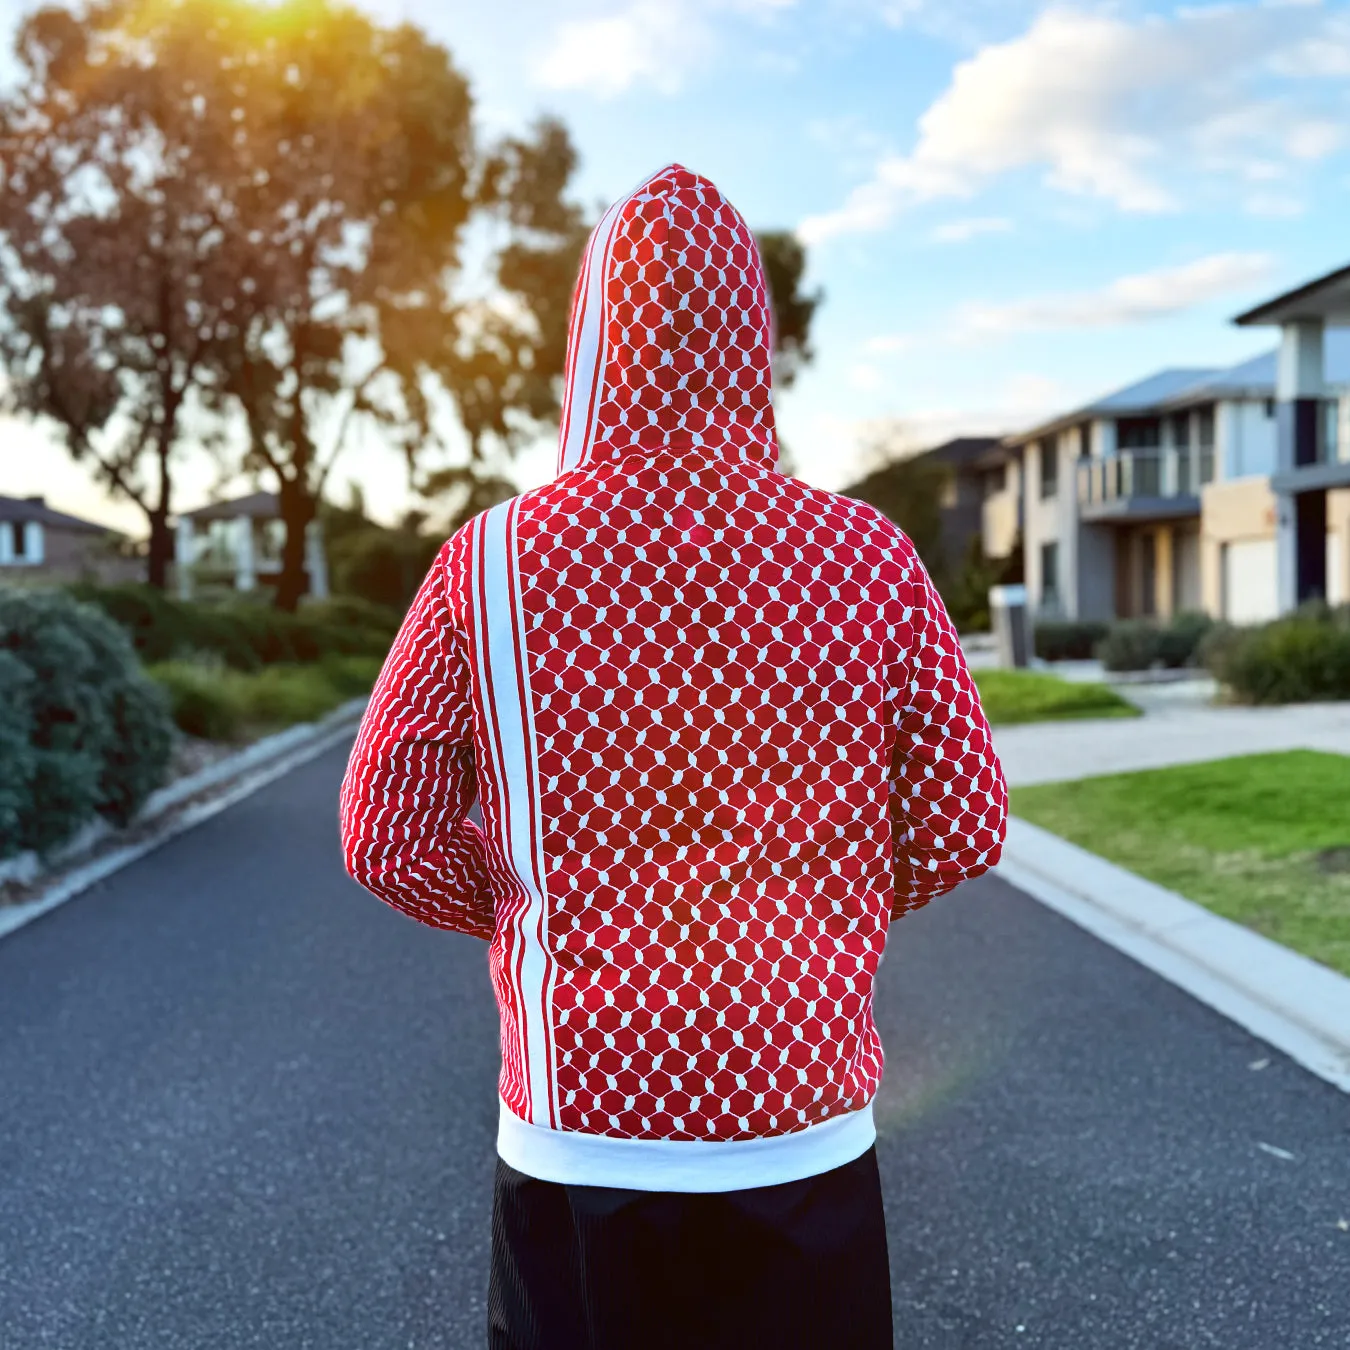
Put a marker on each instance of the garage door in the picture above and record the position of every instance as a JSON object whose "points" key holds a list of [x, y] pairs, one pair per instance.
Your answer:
{"points": [[1249, 588], [1335, 571]]}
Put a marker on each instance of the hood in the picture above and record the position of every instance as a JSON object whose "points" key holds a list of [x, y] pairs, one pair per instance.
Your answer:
{"points": [[669, 345]]}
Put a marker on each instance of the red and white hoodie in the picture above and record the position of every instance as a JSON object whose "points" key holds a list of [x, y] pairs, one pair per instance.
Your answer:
{"points": [[721, 732]]}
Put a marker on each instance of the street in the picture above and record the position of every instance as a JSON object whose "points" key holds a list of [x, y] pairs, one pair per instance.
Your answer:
{"points": [[242, 1104]]}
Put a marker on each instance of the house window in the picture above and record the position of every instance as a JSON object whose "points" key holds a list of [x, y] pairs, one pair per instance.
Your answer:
{"points": [[1050, 574], [1181, 430], [20, 543], [1138, 433], [1270, 407], [1049, 458], [1084, 430], [995, 480], [1206, 427]]}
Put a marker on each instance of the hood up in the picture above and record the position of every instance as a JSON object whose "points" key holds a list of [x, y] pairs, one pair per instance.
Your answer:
{"points": [[669, 346]]}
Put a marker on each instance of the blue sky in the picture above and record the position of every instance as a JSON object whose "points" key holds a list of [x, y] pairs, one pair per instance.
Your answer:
{"points": [[1011, 207]]}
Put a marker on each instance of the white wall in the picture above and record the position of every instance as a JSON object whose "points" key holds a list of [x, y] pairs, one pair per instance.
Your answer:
{"points": [[1052, 520], [1247, 442]]}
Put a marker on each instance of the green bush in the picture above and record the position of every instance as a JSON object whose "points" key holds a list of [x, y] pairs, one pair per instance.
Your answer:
{"points": [[245, 635], [85, 733], [1299, 659], [1143, 644], [219, 704], [381, 566], [283, 695], [1068, 640], [205, 701]]}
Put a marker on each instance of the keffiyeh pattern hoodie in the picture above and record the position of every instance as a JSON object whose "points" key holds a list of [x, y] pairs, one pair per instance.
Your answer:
{"points": [[720, 730]]}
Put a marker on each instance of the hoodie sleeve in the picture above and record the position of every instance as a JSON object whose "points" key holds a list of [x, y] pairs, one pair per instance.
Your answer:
{"points": [[948, 800], [410, 780]]}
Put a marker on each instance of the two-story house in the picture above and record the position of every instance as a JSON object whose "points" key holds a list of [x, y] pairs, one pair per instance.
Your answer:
{"points": [[1213, 489]]}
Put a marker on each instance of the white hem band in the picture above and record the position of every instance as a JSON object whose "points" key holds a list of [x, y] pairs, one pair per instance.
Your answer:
{"points": [[577, 1159]]}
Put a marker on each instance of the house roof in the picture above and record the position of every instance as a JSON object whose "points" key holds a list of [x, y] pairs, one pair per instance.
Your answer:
{"points": [[1137, 397], [963, 451], [1255, 377], [1326, 297], [256, 505], [36, 509]]}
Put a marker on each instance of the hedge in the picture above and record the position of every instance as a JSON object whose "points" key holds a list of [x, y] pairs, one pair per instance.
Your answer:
{"points": [[220, 704], [1143, 644], [1068, 640], [1299, 659], [244, 635], [84, 734]]}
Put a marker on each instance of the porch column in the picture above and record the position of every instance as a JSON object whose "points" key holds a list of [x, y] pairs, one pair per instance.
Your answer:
{"points": [[1299, 389], [316, 561], [245, 573], [184, 555]]}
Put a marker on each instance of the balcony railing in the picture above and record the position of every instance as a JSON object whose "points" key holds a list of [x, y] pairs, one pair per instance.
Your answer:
{"points": [[1175, 472]]}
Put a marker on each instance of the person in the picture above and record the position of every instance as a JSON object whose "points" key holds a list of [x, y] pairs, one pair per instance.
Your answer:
{"points": [[722, 736]]}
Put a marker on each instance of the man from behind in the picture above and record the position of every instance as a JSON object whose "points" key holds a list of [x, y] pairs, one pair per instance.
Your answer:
{"points": [[722, 736]]}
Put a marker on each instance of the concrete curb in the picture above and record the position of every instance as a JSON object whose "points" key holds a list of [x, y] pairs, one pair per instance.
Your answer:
{"points": [[1297, 1005], [172, 810]]}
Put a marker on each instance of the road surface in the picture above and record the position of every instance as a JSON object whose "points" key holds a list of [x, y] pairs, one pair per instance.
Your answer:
{"points": [[242, 1104]]}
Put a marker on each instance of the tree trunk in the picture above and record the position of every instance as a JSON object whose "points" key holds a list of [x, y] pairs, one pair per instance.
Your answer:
{"points": [[297, 510], [161, 549], [161, 538]]}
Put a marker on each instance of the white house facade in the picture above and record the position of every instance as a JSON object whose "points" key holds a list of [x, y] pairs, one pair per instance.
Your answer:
{"points": [[1223, 490]]}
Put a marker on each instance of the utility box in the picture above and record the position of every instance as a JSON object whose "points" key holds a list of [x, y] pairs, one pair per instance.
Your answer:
{"points": [[1012, 625]]}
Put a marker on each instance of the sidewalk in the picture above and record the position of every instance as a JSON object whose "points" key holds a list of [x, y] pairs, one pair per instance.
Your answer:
{"points": [[1173, 731]]}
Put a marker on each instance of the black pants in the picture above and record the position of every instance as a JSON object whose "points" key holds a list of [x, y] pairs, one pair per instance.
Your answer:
{"points": [[801, 1266]]}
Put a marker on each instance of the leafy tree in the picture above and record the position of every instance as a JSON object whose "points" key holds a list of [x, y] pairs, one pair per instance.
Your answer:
{"points": [[230, 218], [908, 490], [115, 281], [784, 259]]}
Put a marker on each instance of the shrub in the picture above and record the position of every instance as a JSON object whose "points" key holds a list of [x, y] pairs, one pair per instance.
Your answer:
{"points": [[1068, 640], [381, 566], [213, 702], [85, 733], [205, 701], [1142, 644], [283, 695], [243, 634], [1299, 659]]}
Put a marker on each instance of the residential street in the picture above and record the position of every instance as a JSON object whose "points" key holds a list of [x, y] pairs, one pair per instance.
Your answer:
{"points": [[242, 1104]]}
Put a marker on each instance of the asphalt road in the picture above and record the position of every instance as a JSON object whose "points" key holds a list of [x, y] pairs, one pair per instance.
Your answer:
{"points": [[244, 1105]]}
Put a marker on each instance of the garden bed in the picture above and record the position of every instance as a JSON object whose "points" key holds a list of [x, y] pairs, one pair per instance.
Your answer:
{"points": [[1263, 840]]}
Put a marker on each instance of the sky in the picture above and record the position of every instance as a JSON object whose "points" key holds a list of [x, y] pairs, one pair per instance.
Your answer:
{"points": [[1011, 207]]}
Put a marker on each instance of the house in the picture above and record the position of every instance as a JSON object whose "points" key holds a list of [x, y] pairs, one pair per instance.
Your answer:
{"points": [[1310, 481], [1222, 490], [238, 544], [41, 544]]}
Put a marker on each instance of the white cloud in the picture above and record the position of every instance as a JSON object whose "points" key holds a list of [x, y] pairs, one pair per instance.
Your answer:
{"points": [[654, 42], [1122, 111], [1273, 206], [1130, 299], [957, 231], [888, 344], [865, 376], [1021, 399]]}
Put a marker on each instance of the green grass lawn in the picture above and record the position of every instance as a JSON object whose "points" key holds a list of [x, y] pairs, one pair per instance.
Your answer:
{"points": [[1262, 839], [1011, 696]]}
